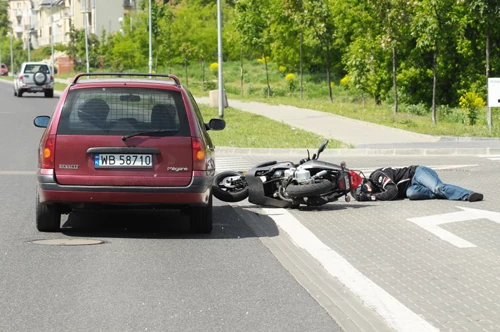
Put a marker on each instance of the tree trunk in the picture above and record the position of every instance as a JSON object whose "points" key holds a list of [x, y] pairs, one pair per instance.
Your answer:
{"points": [[203, 74], [328, 75], [434, 84], [186, 70], [169, 68], [488, 30], [267, 78], [241, 72], [301, 72], [394, 80]]}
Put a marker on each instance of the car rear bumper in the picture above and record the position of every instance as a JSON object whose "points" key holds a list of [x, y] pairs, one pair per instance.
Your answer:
{"points": [[197, 193], [36, 89]]}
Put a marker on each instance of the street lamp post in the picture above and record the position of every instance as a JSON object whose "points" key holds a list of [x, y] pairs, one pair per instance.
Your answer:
{"points": [[86, 37], [150, 61], [52, 36], [219, 46], [11, 54]]}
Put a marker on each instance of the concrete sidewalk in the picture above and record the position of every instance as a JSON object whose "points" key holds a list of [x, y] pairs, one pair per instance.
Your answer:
{"points": [[332, 126]]}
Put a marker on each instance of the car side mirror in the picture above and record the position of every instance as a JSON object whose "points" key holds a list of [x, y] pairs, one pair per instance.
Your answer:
{"points": [[41, 121], [216, 124]]}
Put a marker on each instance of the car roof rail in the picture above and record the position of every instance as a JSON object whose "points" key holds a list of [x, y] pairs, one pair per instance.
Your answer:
{"points": [[175, 78]]}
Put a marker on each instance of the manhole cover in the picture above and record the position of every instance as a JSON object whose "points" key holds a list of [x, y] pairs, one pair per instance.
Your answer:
{"points": [[68, 242]]}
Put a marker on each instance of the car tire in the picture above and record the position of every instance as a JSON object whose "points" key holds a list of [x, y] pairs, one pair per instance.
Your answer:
{"points": [[19, 93], [48, 217], [15, 93], [49, 94], [201, 220]]}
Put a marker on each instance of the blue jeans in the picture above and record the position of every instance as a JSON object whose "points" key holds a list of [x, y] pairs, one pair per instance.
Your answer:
{"points": [[427, 185]]}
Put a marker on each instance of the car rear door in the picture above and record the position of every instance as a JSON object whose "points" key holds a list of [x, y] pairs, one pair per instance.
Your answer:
{"points": [[91, 147]]}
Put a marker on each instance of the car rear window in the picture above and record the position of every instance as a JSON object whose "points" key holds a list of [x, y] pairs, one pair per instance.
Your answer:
{"points": [[123, 111], [3, 66], [36, 68]]}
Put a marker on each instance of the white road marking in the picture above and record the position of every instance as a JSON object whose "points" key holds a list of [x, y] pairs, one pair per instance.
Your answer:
{"points": [[432, 223], [394, 312], [17, 172]]}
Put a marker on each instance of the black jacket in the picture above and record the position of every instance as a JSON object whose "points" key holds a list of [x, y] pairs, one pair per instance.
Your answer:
{"points": [[391, 183]]}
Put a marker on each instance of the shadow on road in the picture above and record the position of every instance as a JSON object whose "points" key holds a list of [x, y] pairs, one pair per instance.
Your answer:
{"points": [[163, 224]]}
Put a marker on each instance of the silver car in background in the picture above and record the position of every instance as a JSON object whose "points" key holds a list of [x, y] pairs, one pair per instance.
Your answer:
{"points": [[34, 77]]}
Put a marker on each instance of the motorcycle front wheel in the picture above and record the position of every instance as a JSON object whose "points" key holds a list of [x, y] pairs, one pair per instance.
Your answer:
{"points": [[230, 187]]}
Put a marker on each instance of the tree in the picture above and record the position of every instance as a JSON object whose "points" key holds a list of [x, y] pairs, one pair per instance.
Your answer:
{"points": [[320, 20], [432, 27], [252, 22], [4, 18]]}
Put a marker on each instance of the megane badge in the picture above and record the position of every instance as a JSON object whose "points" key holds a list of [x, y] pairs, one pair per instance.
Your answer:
{"points": [[177, 169]]}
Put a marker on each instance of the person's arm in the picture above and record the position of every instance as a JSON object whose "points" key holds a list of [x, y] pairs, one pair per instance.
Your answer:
{"points": [[386, 188], [388, 193]]}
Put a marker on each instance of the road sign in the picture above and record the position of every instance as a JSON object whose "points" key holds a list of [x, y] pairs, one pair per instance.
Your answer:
{"points": [[493, 92]]}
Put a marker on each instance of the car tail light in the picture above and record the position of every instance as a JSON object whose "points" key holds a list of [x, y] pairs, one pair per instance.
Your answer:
{"points": [[199, 155], [47, 152], [51, 78], [21, 78]]}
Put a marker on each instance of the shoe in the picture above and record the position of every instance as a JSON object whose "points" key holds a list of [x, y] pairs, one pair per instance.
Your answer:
{"points": [[474, 197]]}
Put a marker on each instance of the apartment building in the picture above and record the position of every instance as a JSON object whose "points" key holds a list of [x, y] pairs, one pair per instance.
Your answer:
{"points": [[45, 19]]}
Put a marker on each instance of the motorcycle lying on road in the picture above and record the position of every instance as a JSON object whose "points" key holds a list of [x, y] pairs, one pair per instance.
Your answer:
{"points": [[285, 184]]}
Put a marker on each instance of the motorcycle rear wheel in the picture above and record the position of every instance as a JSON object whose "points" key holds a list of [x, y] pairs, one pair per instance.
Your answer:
{"points": [[309, 190], [229, 193]]}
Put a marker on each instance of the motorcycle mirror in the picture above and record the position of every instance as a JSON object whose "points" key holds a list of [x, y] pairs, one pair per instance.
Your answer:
{"points": [[314, 156], [308, 154], [322, 147]]}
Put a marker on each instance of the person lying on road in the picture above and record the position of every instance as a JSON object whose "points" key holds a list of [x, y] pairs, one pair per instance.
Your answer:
{"points": [[413, 182]]}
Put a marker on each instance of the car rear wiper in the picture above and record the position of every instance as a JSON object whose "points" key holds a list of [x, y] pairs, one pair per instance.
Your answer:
{"points": [[150, 132]]}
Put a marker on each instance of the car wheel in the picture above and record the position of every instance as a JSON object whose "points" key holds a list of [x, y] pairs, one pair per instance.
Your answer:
{"points": [[201, 220], [49, 93], [48, 217], [19, 93]]}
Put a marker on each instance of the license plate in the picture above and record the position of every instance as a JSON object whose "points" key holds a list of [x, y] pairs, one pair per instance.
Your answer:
{"points": [[36, 89], [123, 160]]}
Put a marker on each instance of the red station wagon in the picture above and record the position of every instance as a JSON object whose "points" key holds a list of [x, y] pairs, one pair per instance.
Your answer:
{"points": [[132, 140]]}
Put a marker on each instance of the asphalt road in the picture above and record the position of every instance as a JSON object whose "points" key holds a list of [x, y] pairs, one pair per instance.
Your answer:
{"points": [[401, 266], [148, 275]]}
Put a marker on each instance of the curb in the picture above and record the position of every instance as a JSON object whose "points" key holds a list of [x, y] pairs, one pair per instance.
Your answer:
{"points": [[364, 152]]}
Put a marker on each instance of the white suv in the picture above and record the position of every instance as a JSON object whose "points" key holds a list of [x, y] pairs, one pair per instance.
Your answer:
{"points": [[34, 77]]}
